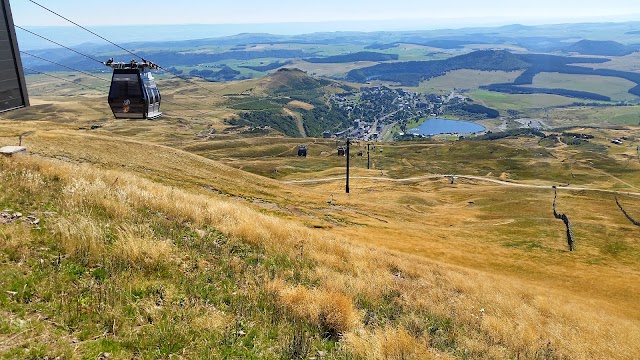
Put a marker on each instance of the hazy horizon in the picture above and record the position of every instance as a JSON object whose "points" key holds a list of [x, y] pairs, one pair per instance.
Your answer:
{"points": [[71, 35], [164, 12]]}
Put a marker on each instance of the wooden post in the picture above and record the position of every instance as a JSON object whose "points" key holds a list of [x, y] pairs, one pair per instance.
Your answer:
{"points": [[347, 153]]}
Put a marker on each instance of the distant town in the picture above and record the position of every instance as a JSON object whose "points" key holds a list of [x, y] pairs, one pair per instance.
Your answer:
{"points": [[376, 110]]}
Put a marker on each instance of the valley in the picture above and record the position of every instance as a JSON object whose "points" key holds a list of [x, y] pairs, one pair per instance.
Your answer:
{"points": [[203, 234]]}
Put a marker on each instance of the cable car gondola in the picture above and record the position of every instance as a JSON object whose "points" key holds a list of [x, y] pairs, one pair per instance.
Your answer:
{"points": [[133, 93], [302, 150]]}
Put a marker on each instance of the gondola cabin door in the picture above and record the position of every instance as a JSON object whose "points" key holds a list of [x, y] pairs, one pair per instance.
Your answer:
{"points": [[152, 93]]}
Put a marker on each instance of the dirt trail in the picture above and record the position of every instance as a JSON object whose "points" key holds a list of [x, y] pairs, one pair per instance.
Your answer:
{"points": [[299, 122], [468, 177]]}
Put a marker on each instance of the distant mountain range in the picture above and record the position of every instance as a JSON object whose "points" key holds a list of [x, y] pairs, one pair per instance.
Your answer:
{"points": [[170, 36], [411, 73]]}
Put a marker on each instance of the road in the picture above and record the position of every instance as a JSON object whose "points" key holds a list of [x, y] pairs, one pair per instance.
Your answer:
{"points": [[468, 177]]}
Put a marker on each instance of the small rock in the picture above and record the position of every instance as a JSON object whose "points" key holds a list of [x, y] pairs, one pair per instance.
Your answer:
{"points": [[104, 356], [12, 293], [322, 353], [17, 215], [242, 333]]}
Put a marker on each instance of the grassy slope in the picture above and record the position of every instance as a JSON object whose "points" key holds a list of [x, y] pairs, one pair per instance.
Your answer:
{"points": [[258, 268], [113, 228]]}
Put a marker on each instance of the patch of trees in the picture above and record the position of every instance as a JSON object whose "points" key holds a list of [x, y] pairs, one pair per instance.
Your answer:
{"points": [[353, 57], [514, 89], [578, 135], [224, 74], [267, 67], [480, 109], [411, 73], [283, 123], [323, 118], [511, 133]]}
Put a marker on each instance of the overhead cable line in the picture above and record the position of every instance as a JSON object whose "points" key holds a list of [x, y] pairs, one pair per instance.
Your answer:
{"points": [[66, 47], [63, 79], [64, 66], [116, 45], [84, 28]]}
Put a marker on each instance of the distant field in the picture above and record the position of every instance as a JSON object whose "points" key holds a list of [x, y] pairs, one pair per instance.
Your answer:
{"points": [[466, 79], [624, 63], [622, 115], [503, 102], [615, 88], [330, 70], [513, 48], [67, 84]]}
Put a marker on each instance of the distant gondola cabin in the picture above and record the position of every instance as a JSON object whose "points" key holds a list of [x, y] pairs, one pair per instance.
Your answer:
{"points": [[302, 150]]}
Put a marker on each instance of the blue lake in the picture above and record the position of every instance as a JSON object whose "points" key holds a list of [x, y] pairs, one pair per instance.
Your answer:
{"points": [[442, 126]]}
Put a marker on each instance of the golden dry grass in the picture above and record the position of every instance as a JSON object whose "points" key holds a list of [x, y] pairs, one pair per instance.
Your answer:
{"points": [[299, 104], [517, 316], [416, 269]]}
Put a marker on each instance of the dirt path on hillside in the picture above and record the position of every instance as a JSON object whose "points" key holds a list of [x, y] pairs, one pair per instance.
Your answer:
{"points": [[299, 121], [468, 177]]}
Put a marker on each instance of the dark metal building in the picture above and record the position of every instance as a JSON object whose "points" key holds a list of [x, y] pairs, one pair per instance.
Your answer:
{"points": [[13, 88]]}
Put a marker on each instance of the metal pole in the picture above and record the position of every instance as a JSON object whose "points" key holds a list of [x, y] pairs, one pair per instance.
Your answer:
{"points": [[368, 157], [347, 153]]}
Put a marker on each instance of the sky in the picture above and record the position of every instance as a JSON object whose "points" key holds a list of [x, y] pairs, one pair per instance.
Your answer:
{"points": [[433, 14]]}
